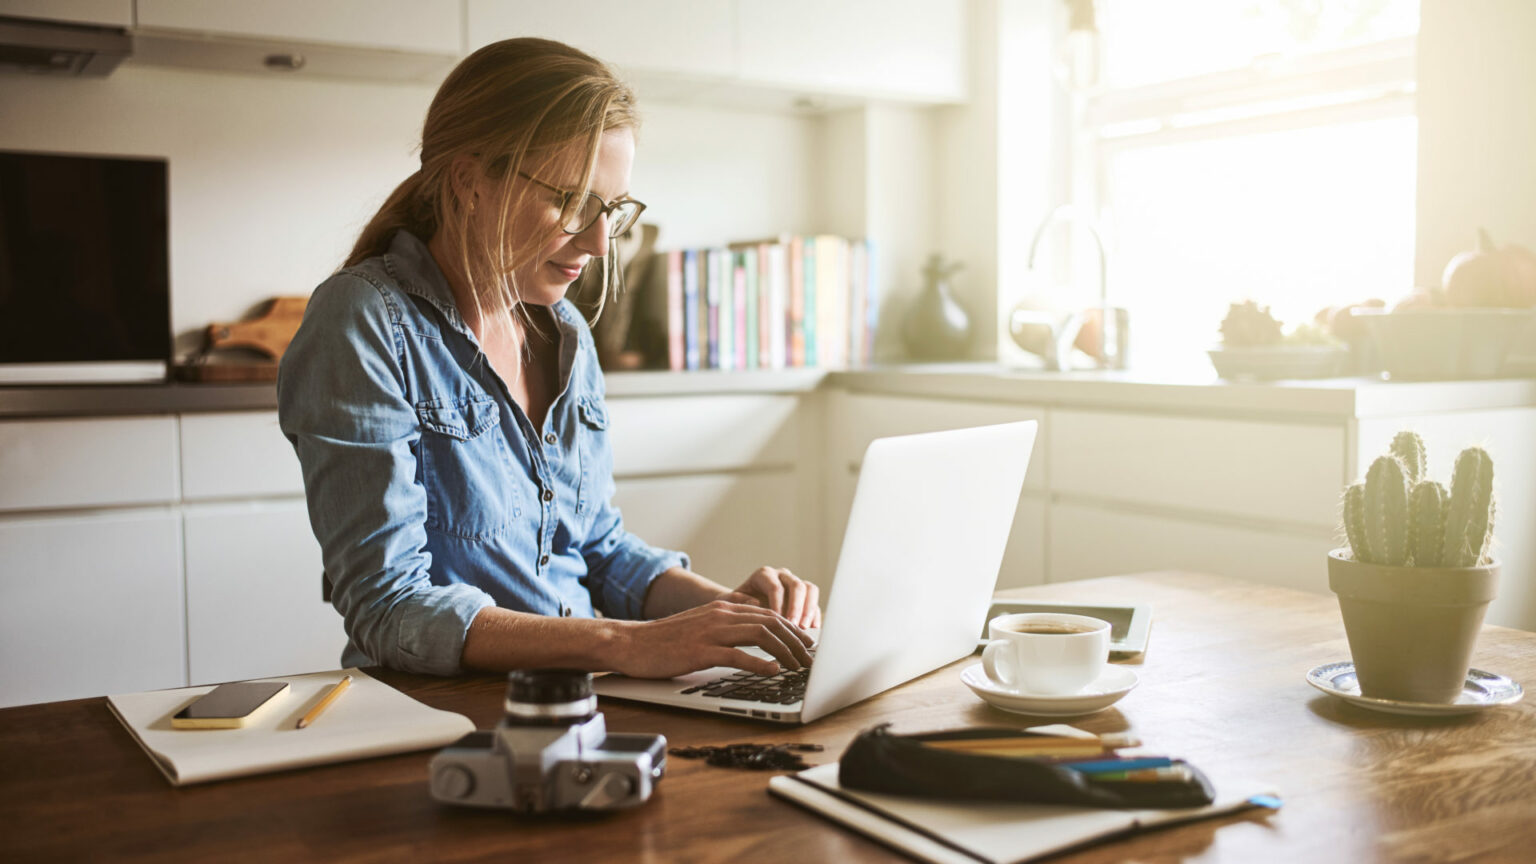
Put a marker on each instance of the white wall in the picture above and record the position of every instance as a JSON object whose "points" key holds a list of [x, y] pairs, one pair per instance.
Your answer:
{"points": [[709, 176], [271, 179], [1477, 128]]}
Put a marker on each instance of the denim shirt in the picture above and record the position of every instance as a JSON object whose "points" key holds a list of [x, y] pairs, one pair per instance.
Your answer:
{"points": [[429, 489]]}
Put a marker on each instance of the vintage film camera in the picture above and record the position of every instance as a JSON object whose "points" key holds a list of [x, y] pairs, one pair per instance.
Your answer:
{"points": [[551, 751]]}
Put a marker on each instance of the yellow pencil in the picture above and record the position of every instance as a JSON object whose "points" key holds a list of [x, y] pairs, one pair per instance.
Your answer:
{"points": [[340, 688]]}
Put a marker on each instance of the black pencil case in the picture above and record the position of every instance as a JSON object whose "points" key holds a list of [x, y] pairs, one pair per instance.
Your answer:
{"points": [[878, 761]]}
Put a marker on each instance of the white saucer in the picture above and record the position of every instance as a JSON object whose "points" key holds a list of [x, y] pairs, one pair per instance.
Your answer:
{"points": [[1102, 693], [1482, 690]]}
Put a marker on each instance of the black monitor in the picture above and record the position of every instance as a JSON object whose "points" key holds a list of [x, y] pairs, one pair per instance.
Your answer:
{"points": [[84, 267]]}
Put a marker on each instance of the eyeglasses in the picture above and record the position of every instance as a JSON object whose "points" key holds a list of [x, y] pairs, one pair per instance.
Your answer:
{"points": [[576, 217]]}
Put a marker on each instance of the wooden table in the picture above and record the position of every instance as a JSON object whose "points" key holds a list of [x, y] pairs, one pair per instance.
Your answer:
{"points": [[1222, 685]]}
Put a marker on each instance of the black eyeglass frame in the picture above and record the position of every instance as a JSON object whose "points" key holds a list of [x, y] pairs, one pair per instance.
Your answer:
{"points": [[615, 229]]}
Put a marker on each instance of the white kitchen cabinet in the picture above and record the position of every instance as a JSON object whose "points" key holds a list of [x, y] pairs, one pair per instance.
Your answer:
{"points": [[1088, 541], [1281, 473], [50, 464], [254, 608], [867, 417], [680, 37], [430, 26], [90, 605], [907, 49], [1024, 560], [728, 524], [108, 13], [237, 454], [692, 434]]}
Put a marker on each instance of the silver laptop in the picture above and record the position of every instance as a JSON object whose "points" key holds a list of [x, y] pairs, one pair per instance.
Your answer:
{"points": [[925, 539]]}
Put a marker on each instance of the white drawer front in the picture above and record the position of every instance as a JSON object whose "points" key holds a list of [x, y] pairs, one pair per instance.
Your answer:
{"points": [[87, 463], [1087, 542], [254, 606], [871, 417], [90, 605], [1288, 473], [237, 454], [1024, 557], [729, 525], [692, 434]]}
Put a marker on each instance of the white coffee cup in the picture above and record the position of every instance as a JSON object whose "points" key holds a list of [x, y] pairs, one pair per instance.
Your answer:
{"points": [[1045, 653]]}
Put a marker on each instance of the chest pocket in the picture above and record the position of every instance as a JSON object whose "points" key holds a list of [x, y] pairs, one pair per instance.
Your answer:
{"points": [[596, 461], [466, 467]]}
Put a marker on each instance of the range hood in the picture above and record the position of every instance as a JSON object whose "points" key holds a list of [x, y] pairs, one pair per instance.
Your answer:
{"points": [[69, 50]]}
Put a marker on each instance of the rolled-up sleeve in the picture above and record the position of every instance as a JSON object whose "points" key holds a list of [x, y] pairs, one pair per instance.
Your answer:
{"points": [[621, 566], [341, 404]]}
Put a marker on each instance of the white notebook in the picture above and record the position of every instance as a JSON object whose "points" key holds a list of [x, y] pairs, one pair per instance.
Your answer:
{"points": [[947, 832], [369, 719]]}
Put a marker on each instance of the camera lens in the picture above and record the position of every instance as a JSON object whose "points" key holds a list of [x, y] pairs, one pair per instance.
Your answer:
{"points": [[549, 696]]}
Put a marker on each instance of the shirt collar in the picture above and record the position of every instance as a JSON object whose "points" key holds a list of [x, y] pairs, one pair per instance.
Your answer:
{"points": [[413, 266]]}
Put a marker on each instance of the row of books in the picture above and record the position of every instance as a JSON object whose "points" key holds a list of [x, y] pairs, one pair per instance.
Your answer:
{"points": [[776, 304]]}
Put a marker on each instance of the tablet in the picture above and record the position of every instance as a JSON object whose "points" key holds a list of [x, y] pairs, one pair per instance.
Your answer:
{"points": [[1129, 626]]}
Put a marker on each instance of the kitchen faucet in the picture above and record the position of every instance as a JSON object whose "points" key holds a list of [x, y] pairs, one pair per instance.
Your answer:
{"points": [[1062, 336]]}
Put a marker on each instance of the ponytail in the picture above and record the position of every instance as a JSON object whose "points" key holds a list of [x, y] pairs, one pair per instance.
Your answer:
{"points": [[407, 207]]}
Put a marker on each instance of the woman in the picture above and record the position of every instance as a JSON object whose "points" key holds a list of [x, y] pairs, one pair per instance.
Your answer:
{"points": [[445, 402]]}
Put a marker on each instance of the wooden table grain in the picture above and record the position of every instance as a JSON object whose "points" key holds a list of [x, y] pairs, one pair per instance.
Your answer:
{"points": [[1222, 685]]}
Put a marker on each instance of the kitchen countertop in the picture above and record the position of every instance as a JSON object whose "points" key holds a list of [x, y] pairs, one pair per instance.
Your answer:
{"points": [[1189, 393]]}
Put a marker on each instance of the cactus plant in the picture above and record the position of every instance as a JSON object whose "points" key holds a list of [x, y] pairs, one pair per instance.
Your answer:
{"points": [[1354, 522], [1386, 511], [1398, 517], [1408, 447], [1426, 526], [1469, 513]]}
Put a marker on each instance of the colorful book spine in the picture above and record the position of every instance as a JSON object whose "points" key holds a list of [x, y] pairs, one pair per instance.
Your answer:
{"points": [[796, 321], [778, 305], [676, 357], [752, 338], [812, 301], [871, 302], [739, 310], [723, 274], [691, 326], [714, 282]]}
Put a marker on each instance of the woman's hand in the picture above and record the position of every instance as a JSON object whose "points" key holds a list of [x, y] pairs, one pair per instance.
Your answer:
{"points": [[783, 592], [706, 636]]}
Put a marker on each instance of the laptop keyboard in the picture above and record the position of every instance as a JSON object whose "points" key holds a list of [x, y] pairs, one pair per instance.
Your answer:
{"points": [[785, 688]]}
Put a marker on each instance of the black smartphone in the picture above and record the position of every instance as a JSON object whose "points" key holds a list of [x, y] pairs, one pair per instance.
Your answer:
{"points": [[229, 706]]}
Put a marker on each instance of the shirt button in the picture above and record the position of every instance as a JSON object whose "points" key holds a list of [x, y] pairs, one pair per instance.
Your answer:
{"points": [[550, 438], [565, 611], [543, 559], [549, 494]]}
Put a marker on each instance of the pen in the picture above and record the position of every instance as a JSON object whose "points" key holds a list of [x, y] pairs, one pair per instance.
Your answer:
{"points": [[1177, 773], [332, 696], [1119, 766]]}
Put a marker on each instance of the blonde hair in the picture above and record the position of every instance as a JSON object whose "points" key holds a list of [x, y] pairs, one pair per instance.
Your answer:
{"points": [[520, 105]]}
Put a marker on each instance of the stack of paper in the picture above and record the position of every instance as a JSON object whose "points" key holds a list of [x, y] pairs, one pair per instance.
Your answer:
{"points": [[370, 719]]}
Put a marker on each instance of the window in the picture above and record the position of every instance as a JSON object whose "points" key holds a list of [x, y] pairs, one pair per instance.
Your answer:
{"points": [[1241, 149]]}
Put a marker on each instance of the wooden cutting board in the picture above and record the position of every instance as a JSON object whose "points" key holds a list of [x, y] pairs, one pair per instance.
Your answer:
{"points": [[267, 334]]}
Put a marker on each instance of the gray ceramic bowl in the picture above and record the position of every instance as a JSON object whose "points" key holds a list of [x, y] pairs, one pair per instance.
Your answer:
{"points": [[1430, 344], [1276, 362]]}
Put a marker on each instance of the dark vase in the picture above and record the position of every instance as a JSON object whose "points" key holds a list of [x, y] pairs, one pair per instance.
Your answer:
{"points": [[936, 326]]}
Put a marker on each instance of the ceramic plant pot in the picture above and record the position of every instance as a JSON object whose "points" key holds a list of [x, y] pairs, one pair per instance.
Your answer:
{"points": [[1411, 629]]}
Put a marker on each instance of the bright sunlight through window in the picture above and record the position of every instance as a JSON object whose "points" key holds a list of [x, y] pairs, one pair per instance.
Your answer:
{"points": [[1259, 149]]}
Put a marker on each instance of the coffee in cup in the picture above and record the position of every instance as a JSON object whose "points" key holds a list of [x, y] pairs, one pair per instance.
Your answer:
{"points": [[1045, 653]]}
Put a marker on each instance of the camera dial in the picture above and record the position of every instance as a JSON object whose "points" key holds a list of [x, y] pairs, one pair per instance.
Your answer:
{"points": [[549, 697]]}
